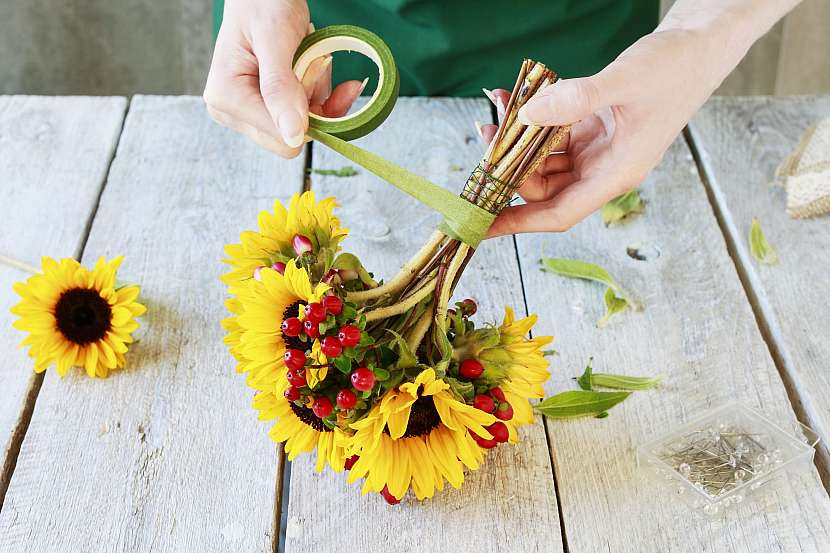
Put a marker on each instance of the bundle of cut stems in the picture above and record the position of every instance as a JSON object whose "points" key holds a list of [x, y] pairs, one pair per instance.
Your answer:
{"points": [[415, 301]]}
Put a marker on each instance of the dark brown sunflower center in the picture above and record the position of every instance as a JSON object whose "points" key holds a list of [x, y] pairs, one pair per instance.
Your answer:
{"points": [[83, 316], [308, 417], [292, 341], [423, 418]]}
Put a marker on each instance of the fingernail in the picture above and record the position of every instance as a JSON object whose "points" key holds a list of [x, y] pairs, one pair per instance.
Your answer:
{"points": [[500, 109], [363, 85], [291, 128], [489, 95]]}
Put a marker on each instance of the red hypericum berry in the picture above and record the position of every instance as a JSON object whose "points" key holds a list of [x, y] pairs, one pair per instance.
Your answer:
{"points": [[296, 377], [301, 244], [346, 399], [349, 335], [391, 499], [294, 358], [311, 329], [292, 327], [471, 369], [482, 442], [322, 407], [315, 312], [499, 431], [497, 393], [363, 379], [331, 346], [469, 306], [484, 403], [279, 267], [292, 394], [349, 463], [333, 305], [451, 312], [504, 411], [258, 273]]}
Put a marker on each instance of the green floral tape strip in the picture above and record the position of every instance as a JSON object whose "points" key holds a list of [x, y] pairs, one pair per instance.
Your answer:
{"points": [[462, 220]]}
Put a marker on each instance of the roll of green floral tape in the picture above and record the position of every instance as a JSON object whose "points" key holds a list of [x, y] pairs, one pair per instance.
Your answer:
{"points": [[338, 38]]}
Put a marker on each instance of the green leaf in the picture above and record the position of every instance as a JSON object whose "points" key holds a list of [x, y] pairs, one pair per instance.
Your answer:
{"points": [[345, 171], [584, 381], [550, 352], [622, 382], [613, 305], [761, 250], [622, 207], [381, 374], [575, 268], [462, 389], [579, 403], [350, 261], [405, 357], [343, 364]]}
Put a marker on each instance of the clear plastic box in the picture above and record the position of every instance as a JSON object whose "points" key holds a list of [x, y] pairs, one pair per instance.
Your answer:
{"points": [[716, 461]]}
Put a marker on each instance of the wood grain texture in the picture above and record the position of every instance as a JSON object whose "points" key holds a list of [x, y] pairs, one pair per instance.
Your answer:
{"points": [[510, 503], [741, 142], [46, 175], [698, 331], [167, 455]]}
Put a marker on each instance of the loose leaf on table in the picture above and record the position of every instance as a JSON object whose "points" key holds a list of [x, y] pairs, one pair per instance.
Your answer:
{"points": [[613, 305], [345, 171], [590, 379], [621, 207], [579, 403], [575, 268], [761, 250]]}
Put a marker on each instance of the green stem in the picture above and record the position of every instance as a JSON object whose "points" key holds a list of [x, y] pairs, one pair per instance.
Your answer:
{"points": [[404, 276], [398, 308]]}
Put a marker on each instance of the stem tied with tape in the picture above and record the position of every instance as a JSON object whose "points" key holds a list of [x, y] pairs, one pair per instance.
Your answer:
{"points": [[514, 154]]}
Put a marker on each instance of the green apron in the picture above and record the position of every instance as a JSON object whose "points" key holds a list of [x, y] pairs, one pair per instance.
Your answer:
{"points": [[456, 47]]}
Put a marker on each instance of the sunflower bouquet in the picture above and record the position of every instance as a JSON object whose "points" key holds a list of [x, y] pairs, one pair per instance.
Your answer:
{"points": [[387, 381]]}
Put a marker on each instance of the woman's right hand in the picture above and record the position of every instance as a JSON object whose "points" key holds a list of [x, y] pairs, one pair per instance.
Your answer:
{"points": [[251, 87]]}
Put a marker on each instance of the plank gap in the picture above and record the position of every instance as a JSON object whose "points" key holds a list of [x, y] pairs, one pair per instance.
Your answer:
{"points": [[88, 227], [18, 434], [22, 426], [281, 501], [758, 312]]}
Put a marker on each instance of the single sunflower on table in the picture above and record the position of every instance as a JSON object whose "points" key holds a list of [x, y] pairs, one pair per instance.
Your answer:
{"points": [[77, 317]]}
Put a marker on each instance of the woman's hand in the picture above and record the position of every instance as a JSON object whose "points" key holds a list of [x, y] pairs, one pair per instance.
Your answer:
{"points": [[251, 87], [626, 116]]}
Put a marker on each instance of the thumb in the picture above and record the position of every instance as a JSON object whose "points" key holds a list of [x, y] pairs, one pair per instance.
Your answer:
{"points": [[567, 101], [283, 94]]}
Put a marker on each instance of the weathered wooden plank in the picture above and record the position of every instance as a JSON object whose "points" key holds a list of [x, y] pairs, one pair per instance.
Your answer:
{"points": [[510, 503], [167, 455], [699, 332], [46, 174], [741, 141]]}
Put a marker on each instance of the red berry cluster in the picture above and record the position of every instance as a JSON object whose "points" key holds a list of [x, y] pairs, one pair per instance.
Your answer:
{"points": [[493, 402], [349, 335]]}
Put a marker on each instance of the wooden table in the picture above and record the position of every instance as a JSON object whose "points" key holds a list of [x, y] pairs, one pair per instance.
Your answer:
{"points": [[168, 455]]}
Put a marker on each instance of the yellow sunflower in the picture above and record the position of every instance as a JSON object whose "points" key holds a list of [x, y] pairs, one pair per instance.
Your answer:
{"points": [[526, 367], [77, 317], [417, 435], [300, 429], [255, 336], [273, 241]]}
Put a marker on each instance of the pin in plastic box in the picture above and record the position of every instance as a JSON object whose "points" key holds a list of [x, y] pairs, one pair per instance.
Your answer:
{"points": [[717, 460]]}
